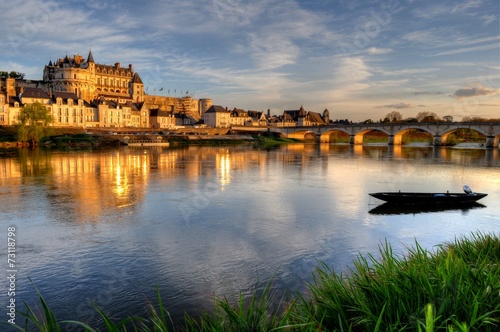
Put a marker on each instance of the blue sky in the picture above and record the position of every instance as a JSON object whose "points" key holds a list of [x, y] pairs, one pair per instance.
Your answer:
{"points": [[359, 59]]}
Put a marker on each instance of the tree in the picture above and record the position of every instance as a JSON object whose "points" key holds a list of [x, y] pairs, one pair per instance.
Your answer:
{"points": [[427, 117], [12, 74], [33, 123], [448, 118], [393, 116]]}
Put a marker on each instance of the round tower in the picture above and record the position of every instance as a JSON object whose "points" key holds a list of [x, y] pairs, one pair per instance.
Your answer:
{"points": [[204, 104]]}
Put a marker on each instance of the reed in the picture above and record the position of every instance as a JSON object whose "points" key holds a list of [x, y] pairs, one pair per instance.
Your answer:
{"points": [[460, 281], [454, 288]]}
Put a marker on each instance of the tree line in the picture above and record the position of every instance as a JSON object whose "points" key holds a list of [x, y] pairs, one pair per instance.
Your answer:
{"points": [[12, 74], [427, 116]]}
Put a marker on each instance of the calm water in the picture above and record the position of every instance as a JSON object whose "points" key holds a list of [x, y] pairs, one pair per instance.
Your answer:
{"points": [[109, 226]]}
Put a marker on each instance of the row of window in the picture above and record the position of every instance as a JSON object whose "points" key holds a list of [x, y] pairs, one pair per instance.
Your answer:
{"points": [[66, 119], [111, 72], [113, 82], [66, 112]]}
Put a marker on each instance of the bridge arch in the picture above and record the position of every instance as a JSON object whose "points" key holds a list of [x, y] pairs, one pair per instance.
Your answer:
{"points": [[444, 139], [358, 137], [303, 135], [398, 136], [334, 136]]}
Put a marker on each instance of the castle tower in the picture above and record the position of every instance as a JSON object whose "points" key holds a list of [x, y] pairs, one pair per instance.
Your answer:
{"points": [[137, 88], [204, 105], [326, 116]]}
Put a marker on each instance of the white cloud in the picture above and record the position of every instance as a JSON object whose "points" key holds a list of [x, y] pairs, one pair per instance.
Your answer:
{"points": [[377, 50], [272, 51]]}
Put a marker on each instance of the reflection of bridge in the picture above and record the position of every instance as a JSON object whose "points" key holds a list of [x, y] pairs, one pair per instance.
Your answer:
{"points": [[395, 131]]}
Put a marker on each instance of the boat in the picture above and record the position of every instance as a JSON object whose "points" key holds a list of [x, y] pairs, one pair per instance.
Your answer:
{"points": [[421, 198]]}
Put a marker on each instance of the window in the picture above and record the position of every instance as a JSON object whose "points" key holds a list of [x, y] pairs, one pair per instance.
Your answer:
{"points": [[74, 76]]}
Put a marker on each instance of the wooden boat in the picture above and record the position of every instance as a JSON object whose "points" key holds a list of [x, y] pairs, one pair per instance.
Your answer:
{"points": [[416, 198]]}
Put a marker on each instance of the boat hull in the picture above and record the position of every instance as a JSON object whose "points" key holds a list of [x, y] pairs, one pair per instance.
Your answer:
{"points": [[409, 198]]}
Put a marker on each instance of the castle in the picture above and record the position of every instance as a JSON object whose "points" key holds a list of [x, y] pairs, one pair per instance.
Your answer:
{"points": [[81, 92]]}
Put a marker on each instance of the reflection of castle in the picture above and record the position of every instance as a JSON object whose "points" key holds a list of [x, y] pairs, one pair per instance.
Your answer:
{"points": [[103, 95]]}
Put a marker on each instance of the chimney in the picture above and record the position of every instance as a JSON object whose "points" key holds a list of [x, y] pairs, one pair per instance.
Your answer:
{"points": [[130, 67], [117, 65]]}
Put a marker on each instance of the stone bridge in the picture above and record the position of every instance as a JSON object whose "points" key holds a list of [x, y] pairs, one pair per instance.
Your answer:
{"points": [[395, 131]]}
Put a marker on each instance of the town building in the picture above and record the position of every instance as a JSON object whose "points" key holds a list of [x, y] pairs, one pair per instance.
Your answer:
{"points": [[98, 95], [217, 116]]}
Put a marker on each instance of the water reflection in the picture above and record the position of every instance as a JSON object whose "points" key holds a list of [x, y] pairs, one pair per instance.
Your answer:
{"points": [[393, 209], [89, 183]]}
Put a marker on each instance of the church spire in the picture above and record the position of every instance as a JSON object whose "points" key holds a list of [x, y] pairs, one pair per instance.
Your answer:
{"points": [[90, 58]]}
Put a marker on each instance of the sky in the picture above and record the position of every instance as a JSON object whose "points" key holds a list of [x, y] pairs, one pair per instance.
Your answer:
{"points": [[358, 59]]}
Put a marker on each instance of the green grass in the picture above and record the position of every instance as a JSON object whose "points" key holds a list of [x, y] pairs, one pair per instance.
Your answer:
{"points": [[263, 141], [453, 288], [461, 281]]}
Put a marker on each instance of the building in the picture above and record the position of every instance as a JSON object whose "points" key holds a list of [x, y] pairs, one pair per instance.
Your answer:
{"points": [[162, 119], [69, 110], [81, 92], [301, 117], [218, 117], [238, 117], [258, 118]]}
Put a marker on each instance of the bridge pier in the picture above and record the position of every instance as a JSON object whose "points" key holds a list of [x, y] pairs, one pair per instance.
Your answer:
{"points": [[436, 140], [491, 142], [390, 140], [355, 139]]}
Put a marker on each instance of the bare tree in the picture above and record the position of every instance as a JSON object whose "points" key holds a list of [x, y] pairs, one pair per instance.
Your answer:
{"points": [[427, 117], [448, 118], [393, 116]]}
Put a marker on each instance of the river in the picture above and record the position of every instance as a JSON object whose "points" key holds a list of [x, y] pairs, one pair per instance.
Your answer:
{"points": [[110, 226]]}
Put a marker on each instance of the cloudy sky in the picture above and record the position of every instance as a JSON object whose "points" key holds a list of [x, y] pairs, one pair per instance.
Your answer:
{"points": [[361, 59]]}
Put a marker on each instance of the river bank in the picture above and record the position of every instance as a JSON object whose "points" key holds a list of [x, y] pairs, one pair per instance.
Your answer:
{"points": [[62, 137]]}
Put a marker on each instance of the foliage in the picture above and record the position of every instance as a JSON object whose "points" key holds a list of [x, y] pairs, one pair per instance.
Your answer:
{"points": [[33, 123], [461, 281], [427, 117], [12, 74], [393, 116], [455, 288]]}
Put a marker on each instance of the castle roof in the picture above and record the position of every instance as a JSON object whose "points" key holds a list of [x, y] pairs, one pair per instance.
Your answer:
{"points": [[158, 112], [65, 95], [136, 79], [315, 117], [35, 93], [217, 109], [90, 58]]}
